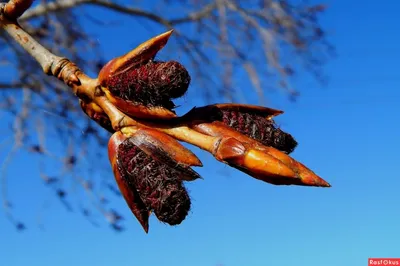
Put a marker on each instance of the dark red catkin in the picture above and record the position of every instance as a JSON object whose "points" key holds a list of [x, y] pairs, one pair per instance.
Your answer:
{"points": [[259, 128], [248, 123], [157, 184], [154, 83]]}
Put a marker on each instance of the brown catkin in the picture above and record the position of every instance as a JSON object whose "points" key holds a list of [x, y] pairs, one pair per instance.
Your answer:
{"points": [[259, 128], [152, 84], [158, 185]]}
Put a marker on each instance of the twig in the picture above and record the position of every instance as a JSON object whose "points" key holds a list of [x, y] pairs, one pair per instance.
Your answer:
{"points": [[66, 4], [50, 63]]}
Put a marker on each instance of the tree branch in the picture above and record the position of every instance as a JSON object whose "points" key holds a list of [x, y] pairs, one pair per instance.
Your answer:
{"points": [[36, 50], [57, 6], [12, 85]]}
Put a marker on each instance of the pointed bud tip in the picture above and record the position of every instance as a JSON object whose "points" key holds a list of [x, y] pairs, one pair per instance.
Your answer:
{"points": [[166, 34], [142, 53], [145, 228], [324, 184], [314, 180], [157, 42]]}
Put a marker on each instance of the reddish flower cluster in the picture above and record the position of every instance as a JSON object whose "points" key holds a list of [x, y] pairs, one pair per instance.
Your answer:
{"points": [[158, 185], [259, 128], [151, 84]]}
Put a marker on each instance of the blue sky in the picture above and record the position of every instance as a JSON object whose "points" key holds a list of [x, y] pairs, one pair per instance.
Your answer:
{"points": [[348, 134]]}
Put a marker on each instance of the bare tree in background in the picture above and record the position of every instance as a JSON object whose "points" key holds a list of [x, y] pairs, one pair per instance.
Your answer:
{"points": [[284, 37]]}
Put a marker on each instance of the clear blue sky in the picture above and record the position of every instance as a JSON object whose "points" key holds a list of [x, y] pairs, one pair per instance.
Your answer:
{"points": [[348, 133]]}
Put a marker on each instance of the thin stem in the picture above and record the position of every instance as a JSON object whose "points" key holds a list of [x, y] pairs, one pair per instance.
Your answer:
{"points": [[43, 56], [181, 132], [51, 64]]}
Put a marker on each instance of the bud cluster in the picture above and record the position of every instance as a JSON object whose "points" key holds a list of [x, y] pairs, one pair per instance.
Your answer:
{"points": [[150, 164]]}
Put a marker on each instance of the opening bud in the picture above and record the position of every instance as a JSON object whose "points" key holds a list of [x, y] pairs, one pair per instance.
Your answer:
{"points": [[149, 173], [142, 87]]}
